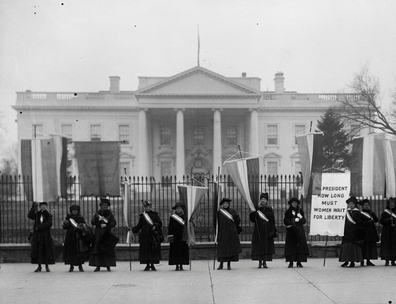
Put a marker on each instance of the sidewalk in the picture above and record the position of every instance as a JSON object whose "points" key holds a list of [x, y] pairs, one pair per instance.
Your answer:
{"points": [[245, 283]]}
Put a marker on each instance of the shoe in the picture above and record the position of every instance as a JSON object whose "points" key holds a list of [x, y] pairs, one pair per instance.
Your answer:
{"points": [[299, 265], [97, 269], [177, 268], [361, 264], [147, 268], [47, 268], [108, 268], [351, 265], [71, 268], [369, 263], [38, 269], [345, 264], [153, 268], [265, 265], [181, 268], [220, 266], [393, 263], [290, 265], [80, 268], [387, 263], [259, 266]]}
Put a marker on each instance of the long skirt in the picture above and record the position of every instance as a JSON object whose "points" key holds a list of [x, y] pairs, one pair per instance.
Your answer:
{"points": [[262, 257], [351, 253], [370, 251], [234, 258]]}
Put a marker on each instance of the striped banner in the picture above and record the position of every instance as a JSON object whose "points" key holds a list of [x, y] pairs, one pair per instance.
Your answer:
{"points": [[44, 160], [190, 196], [245, 174], [127, 211], [390, 167]]}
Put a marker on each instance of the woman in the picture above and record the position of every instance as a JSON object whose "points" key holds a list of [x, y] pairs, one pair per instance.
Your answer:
{"points": [[178, 248], [103, 245], [371, 236], [42, 251], [296, 247], [229, 246], [150, 237], [75, 248], [351, 249], [264, 230], [388, 235]]}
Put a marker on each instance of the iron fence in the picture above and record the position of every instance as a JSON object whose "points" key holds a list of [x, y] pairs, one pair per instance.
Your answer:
{"points": [[14, 207]]}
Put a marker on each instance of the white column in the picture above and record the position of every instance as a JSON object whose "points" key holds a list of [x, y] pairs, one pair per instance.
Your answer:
{"points": [[216, 141], [143, 145], [180, 150], [254, 134]]}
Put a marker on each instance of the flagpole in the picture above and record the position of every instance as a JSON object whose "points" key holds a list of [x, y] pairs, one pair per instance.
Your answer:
{"points": [[324, 258], [192, 182]]}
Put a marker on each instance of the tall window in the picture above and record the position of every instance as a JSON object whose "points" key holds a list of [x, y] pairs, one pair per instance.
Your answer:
{"points": [[37, 131], [166, 177], [123, 134], [198, 135], [272, 134], [231, 135], [165, 135], [95, 133], [298, 130], [272, 168], [67, 131]]}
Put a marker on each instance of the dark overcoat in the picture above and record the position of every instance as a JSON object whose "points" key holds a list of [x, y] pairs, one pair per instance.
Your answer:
{"points": [[352, 241], [262, 239], [149, 238], [75, 247], [178, 248], [102, 253], [388, 236], [42, 249], [296, 247], [229, 245]]}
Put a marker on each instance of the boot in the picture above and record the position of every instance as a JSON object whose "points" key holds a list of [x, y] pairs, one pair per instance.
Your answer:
{"points": [[181, 268], [386, 262], [345, 264], [265, 264], [108, 268], [299, 265], [38, 269], [220, 266], [362, 263], [177, 268], [393, 263], [290, 265], [259, 266], [147, 268], [369, 263], [153, 268], [47, 268], [71, 268], [80, 268], [229, 265], [97, 269], [352, 264]]}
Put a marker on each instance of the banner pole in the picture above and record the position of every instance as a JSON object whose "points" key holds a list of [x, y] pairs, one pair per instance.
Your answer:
{"points": [[324, 258], [215, 228]]}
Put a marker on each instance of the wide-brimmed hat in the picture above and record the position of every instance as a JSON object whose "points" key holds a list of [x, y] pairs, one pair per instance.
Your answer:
{"points": [[146, 203], [264, 195], [352, 199], [362, 202], [294, 199], [225, 200], [178, 204], [104, 201], [74, 207], [43, 203]]}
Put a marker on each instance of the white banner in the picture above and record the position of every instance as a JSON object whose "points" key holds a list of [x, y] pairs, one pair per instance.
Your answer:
{"points": [[328, 209]]}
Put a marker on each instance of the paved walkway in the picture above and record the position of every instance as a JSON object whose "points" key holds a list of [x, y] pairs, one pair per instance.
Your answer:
{"points": [[245, 283]]}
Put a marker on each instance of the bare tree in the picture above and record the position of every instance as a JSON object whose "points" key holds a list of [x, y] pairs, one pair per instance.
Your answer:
{"points": [[364, 106]]}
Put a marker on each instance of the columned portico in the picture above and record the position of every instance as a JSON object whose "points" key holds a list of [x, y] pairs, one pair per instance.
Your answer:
{"points": [[217, 150], [143, 144], [180, 149], [254, 137]]}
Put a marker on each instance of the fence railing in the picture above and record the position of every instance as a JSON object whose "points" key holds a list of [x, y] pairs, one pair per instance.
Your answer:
{"points": [[14, 207]]}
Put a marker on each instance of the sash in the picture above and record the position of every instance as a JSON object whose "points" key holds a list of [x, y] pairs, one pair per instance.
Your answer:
{"points": [[366, 215], [227, 214], [390, 212], [262, 215], [148, 219], [349, 217], [41, 219], [73, 222], [178, 219]]}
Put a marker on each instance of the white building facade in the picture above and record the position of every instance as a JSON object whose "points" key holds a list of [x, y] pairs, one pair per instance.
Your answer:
{"points": [[195, 119]]}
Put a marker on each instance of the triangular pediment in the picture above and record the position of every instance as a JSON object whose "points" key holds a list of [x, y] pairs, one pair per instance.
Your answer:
{"points": [[197, 81]]}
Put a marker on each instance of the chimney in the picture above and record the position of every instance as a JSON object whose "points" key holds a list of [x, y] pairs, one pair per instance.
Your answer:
{"points": [[279, 83], [114, 84], [243, 74]]}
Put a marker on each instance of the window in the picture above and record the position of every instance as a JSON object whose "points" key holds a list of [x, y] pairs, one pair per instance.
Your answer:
{"points": [[166, 177], [37, 131], [67, 131], [123, 134], [298, 130], [165, 135], [272, 171], [231, 135], [95, 133], [272, 135], [198, 135]]}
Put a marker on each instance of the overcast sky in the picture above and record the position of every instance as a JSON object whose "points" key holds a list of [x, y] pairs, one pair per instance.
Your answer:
{"points": [[75, 45]]}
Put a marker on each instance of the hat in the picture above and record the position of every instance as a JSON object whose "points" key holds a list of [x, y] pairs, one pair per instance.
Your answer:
{"points": [[74, 207], [352, 199], [264, 195], [364, 201], [391, 199], [294, 199], [178, 204], [43, 203], [146, 203], [104, 201], [225, 200]]}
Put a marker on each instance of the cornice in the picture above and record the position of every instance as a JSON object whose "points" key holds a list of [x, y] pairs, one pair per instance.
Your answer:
{"points": [[280, 109], [197, 96], [75, 108]]}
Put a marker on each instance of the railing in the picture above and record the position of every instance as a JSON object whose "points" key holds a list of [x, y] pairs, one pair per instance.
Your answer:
{"points": [[15, 226]]}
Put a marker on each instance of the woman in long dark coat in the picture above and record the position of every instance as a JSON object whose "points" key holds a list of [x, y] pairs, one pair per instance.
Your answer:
{"points": [[264, 229], [75, 248], [103, 245], [150, 237], [42, 251], [351, 245], [370, 251], [177, 235], [388, 235], [229, 246], [296, 247]]}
